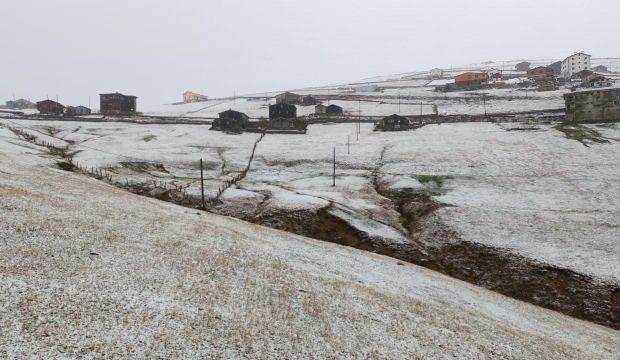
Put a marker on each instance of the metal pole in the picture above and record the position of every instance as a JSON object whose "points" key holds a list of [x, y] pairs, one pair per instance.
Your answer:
{"points": [[334, 173], [202, 186], [484, 100]]}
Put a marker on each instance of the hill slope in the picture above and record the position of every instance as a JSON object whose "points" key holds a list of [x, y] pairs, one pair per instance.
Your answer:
{"points": [[90, 270]]}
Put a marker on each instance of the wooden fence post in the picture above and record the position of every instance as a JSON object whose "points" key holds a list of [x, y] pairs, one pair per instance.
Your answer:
{"points": [[202, 186], [334, 173]]}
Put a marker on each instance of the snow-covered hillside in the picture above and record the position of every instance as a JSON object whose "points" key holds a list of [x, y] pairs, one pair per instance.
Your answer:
{"points": [[533, 192], [88, 270], [406, 94]]}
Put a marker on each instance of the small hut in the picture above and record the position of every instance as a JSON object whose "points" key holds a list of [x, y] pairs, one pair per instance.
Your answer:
{"points": [[320, 109], [333, 110], [230, 120], [393, 123], [308, 100], [283, 117]]}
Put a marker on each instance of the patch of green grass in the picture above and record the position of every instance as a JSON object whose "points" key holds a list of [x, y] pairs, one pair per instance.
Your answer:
{"points": [[608, 126], [437, 180], [148, 138], [581, 133]]}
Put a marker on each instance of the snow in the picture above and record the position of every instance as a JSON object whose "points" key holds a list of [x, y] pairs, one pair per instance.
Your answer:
{"points": [[535, 193], [94, 271]]}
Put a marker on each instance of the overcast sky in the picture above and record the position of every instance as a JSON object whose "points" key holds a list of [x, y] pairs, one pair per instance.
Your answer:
{"points": [[157, 49]]}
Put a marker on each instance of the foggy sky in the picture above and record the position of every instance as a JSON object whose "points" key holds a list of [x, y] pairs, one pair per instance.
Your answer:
{"points": [[157, 49]]}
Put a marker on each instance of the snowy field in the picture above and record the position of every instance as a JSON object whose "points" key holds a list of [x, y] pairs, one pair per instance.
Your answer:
{"points": [[408, 89], [88, 270], [535, 193], [403, 101]]}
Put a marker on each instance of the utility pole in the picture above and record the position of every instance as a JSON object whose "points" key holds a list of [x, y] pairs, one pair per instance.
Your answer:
{"points": [[484, 101], [399, 102], [327, 97], [202, 187], [420, 108], [348, 145], [334, 173]]}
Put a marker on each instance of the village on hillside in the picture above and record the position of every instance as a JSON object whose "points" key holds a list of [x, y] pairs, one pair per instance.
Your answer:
{"points": [[489, 186], [576, 89]]}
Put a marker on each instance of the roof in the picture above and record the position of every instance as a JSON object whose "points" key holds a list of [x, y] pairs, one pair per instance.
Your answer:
{"points": [[605, 89], [48, 102], [117, 93], [396, 116], [577, 53], [232, 111], [287, 93], [282, 104], [332, 106]]}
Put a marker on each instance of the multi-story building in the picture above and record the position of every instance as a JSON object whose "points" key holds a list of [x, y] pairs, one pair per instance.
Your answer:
{"points": [[117, 104], [575, 63], [602, 105]]}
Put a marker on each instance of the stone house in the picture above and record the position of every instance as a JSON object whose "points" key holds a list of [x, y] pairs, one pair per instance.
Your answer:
{"points": [[601, 105]]}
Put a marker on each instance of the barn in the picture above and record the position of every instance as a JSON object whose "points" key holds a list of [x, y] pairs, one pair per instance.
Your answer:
{"points": [[50, 107]]}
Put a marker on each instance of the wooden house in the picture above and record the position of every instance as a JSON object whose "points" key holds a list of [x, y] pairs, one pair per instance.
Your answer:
{"points": [[288, 98], [393, 123], [320, 109], [309, 100], [540, 73], [333, 110], [471, 78], [50, 107], [117, 104], [231, 120], [82, 110], [283, 117]]}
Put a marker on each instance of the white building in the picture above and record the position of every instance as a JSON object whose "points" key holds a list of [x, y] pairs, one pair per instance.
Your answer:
{"points": [[575, 63], [190, 97]]}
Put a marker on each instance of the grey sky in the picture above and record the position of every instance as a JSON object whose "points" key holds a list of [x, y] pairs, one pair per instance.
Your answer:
{"points": [[157, 49]]}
